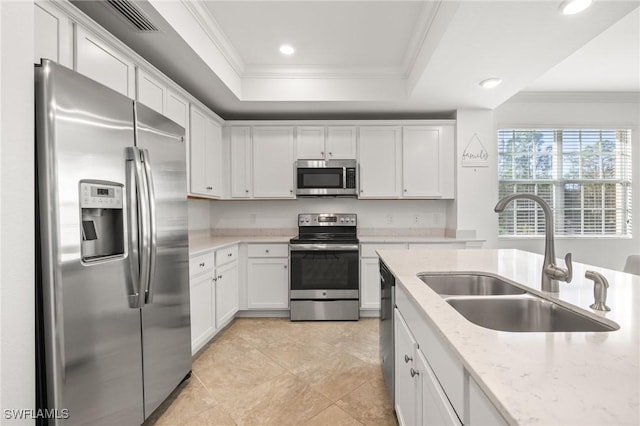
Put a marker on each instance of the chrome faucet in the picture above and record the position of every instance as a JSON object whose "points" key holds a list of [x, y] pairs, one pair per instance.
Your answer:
{"points": [[551, 273], [600, 286]]}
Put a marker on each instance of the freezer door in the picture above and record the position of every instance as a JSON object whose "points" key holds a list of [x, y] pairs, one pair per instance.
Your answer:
{"points": [[166, 331], [91, 334]]}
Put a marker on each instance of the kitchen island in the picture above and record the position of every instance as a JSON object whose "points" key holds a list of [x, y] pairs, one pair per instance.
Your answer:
{"points": [[533, 377]]}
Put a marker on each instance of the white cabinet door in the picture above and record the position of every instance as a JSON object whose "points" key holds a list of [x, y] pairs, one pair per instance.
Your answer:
{"points": [[268, 283], [421, 162], [273, 162], [176, 108], [369, 283], [407, 385], [202, 310], [481, 411], [150, 91], [310, 143], [104, 64], [240, 141], [226, 293], [379, 152], [52, 35], [436, 410], [341, 143], [205, 154]]}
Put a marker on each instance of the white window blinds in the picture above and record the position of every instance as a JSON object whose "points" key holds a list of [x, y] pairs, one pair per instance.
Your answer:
{"points": [[584, 174]]}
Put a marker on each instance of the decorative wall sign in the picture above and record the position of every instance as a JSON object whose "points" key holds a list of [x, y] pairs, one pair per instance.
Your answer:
{"points": [[475, 155]]}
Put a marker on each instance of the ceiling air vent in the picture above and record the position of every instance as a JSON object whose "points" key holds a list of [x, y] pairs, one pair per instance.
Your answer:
{"points": [[133, 15]]}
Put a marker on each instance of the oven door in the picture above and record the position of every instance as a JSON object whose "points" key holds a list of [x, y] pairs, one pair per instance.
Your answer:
{"points": [[324, 271]]}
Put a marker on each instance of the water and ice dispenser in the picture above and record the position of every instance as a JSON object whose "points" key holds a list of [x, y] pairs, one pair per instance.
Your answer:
{"points": [[102, 220]]}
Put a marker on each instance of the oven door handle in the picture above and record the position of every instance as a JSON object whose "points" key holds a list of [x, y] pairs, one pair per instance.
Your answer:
{"points": [[323, 247]]}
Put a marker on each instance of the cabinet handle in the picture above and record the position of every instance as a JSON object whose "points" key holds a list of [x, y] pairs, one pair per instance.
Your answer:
{"points": [[285, 266], [414, 373], [202, 265], [209, 188], [361, 190], [229, 254], [407, 358], [214, 279], [219, 277], [321, 152]]}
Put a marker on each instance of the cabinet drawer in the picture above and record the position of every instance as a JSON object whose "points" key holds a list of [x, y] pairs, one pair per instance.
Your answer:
{"points": [[226, 255], [201, 264], [268, 250], [369, 250]]}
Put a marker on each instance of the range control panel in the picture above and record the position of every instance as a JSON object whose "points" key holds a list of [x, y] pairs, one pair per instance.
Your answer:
{"points": [[327, 219], [101, 196]]}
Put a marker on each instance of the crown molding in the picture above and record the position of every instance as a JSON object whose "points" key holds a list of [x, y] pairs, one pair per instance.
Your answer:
{"points": [[214, 32], [575, 97], [420, 34]]}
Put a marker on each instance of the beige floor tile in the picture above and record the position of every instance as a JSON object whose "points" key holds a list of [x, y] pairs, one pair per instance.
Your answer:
{"points": [[333, 416], [189, 400], [369, 405], [339, 376], [216, 416]]}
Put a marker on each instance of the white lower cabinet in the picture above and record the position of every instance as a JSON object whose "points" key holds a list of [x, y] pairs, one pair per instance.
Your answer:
{"points": [[226, 294], [369, 283], [268, 276], [202, 296], [436, 409]]}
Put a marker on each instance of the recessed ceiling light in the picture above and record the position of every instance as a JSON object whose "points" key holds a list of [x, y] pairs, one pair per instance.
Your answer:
{"points": [[490, 83], [571, 7], [286, 49]]}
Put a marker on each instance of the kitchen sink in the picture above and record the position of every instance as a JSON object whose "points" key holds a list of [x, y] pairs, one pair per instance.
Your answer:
{"points": [[469, 284], [524, 314]]}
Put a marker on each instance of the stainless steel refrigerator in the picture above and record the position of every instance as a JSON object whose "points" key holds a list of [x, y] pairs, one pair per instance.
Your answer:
{"points": [[112, 290]]}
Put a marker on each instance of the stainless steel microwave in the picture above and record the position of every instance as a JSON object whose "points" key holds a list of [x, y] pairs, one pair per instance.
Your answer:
{"points": [[316, 178]]}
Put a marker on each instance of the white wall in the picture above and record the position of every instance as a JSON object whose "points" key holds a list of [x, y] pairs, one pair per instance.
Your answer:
{"points": [[198, 215], [17, 368], [605, 252], [371, 213]]}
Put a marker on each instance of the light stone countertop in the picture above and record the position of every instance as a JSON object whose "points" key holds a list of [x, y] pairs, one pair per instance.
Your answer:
{"points": [[201, 243], [366, 239], [580, 378]]}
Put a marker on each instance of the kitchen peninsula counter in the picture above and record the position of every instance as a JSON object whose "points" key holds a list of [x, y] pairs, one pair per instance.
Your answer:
{"points": [[535, 378]]}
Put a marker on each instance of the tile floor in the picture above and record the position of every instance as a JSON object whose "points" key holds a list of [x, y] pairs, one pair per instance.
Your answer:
{"points": [[276, 372]]}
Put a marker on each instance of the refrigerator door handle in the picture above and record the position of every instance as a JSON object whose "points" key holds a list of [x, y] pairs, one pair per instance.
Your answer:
{"points": [[139, 227], [151, 199]]}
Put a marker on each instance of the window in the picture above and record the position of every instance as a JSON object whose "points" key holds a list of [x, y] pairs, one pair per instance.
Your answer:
{"points": [[584, 175]]}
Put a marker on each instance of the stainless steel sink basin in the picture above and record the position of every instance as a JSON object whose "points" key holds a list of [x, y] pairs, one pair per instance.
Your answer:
{"points": [[469, 285], [524, 314]]}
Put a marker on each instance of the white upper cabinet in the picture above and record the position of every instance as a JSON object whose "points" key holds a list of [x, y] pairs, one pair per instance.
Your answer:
{"points": [[104, 64], [176, 108], [240, 141], [427, 162], [273, 162], [379, 152], [205, 154], [341, 143], [52, 37], [330, 143], [150, 91], [310, 143]]}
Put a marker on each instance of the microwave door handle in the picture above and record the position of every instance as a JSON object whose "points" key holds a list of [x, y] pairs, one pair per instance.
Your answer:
{"points": [[152, 248], [344, 178], [133, 188]]}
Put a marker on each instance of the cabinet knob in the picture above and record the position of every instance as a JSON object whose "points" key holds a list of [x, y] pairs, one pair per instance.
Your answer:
{"points": [[202, 265], [266, 251], [229, 254], [321, 152], [209, 188], [291, 191], [330, 154], [414, 373], [407, 358], [246, 190], [405, 190], [285, 266], [219, 277], [361, 190], [214, 279]]}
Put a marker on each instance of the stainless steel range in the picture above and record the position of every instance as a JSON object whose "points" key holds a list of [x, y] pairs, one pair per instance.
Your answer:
{"points": [[325, 278]]}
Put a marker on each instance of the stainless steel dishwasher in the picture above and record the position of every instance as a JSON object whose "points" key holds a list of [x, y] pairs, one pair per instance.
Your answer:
{"points": [[387, 304]]}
